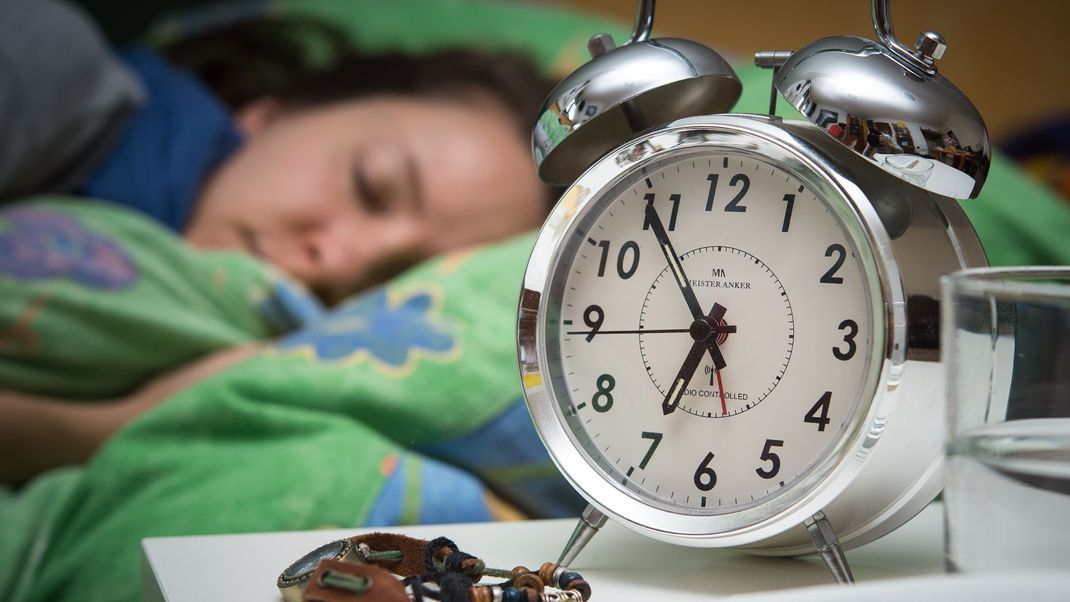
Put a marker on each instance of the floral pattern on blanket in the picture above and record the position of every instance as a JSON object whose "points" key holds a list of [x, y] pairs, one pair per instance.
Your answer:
{"points": [[39, 244], [391, 330]]}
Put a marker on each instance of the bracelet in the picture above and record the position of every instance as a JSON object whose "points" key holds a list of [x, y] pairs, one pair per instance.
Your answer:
{"points": [[430, 570]]}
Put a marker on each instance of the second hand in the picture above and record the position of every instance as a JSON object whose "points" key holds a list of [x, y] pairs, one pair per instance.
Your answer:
{"points": [[727, 329], [720, 389]]}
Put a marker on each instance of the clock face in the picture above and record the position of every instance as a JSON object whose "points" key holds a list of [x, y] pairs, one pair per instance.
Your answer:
{"points": [[708, 331]]}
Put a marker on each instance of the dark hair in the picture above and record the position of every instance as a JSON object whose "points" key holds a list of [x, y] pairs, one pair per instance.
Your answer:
{"points": [[303, 62]]}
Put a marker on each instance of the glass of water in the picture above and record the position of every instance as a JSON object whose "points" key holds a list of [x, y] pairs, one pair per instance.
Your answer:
{"points": [[1006, 346]]}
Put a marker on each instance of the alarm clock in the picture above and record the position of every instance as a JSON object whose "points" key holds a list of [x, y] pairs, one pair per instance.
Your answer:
{"points": [[728, 329]]}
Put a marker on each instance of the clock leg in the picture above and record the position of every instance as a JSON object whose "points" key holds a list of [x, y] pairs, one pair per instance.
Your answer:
{"points": [[591, 521], [828, 545]]}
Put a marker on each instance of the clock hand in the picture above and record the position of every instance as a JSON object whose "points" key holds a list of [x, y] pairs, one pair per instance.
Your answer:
{"points": [[704, 331], [674, 260], [720, 389], [728, 328], [671, 256], [717, 314], [683, 377]]}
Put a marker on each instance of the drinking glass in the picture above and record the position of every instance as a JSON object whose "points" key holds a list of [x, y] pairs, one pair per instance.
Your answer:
{"points": [[910, 167], [1006, 347]]}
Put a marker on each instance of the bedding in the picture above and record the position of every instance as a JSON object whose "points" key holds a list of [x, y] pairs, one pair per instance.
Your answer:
{"points": [[400, 406]]}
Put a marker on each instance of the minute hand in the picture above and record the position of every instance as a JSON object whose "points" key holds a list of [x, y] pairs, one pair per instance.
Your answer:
{"points": [[674, 261]]}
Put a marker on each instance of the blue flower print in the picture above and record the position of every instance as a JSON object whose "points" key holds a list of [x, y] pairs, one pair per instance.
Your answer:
{"points": [[39, 244], [393, 334]]}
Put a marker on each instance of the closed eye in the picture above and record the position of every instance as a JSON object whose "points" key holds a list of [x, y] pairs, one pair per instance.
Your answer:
{"points": [[367, 194]]}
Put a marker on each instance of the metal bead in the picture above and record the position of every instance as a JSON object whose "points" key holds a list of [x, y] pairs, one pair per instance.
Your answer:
{"points": [[363, 550], [520, 570]]}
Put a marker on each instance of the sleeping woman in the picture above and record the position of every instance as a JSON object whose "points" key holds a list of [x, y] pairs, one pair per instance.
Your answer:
{"points": [[340, 171]]}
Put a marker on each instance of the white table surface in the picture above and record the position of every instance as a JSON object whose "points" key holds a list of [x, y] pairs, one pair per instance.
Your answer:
{"points": [[619, 564]]}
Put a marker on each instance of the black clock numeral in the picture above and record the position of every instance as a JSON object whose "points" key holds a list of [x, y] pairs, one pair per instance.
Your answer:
{"points": [[674, 199], [626, 273], [830, 276], [769, 456], [705, 477], [849, 338], [733, 206], [628, 254], [602, 400], [790, 200], [655, 439], [604, 245], [712, 178], [819, 414], [593, 317]]}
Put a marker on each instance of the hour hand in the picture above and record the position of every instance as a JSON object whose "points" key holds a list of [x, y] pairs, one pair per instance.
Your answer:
{"points": [[683, 377], [674, 260], [704, 331]]}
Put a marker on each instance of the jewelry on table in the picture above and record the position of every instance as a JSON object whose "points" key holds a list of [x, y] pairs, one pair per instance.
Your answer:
{"points": [[364, 567]]}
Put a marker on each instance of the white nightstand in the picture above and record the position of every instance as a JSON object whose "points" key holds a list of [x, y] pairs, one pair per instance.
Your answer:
{"points": [[618, 564]]}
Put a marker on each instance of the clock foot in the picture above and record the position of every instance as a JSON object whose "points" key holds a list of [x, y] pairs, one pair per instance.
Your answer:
{"points": [[591, 521], [828, 545]]}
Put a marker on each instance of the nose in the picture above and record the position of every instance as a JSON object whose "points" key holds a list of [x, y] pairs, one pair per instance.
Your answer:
{"points": [[344, 255], [332, 254]]}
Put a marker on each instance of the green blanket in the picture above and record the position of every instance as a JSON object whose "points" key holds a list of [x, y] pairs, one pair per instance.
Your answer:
{"points": [[400, 406]]}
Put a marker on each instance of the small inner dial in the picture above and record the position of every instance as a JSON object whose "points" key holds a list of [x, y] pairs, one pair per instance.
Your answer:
{"points": [[757, 311]]}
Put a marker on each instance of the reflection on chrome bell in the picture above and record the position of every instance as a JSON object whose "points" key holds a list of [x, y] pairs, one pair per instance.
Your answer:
{"points": [[623, 91], [888, 103]]}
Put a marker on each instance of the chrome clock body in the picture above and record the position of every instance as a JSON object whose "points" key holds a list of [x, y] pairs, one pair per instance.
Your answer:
{"points": [[884, 465]]}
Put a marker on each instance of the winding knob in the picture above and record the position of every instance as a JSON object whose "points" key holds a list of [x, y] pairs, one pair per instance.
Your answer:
{"points": [[930, 46], [599, 44]]}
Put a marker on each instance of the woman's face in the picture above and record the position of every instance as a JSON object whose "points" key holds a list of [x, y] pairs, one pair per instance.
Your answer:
{"points": [[343, 196]]}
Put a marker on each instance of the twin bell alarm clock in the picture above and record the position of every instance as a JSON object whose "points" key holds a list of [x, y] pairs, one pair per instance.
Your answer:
{"points": [[728, 329]]}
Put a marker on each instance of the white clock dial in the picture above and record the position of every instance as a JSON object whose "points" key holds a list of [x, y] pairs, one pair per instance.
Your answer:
{"points": [[714, 381]]}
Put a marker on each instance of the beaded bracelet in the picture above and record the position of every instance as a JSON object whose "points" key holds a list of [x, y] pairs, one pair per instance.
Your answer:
{"points": [[434, 570]]}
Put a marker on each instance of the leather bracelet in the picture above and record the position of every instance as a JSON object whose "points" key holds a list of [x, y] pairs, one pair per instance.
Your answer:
{"points": [[362, 569]]}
